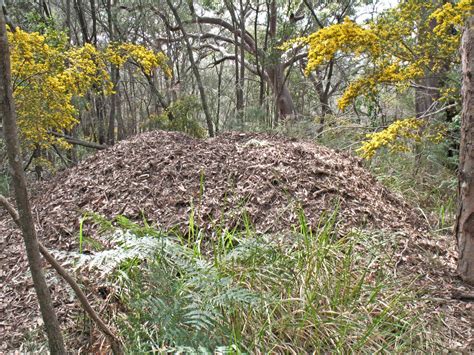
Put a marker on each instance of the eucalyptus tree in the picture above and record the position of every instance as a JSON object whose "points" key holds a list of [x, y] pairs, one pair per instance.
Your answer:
{"points": [[465, 218]]}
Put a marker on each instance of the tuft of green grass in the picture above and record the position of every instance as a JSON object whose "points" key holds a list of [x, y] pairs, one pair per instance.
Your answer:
{"points": [[308, 291]]}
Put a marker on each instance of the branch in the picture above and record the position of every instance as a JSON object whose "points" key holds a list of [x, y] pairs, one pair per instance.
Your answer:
{"points": [[428, 114], [115, 342], [220, 22], [294, 59], [77, 141], [313, 13], [71, 140], [249, 66]]}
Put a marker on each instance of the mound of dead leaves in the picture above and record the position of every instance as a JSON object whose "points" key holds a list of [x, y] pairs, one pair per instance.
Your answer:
{"points": [[262, 179], [226, 182]]}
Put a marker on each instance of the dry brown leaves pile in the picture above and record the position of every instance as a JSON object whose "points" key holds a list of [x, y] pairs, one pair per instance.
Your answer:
{"points": [[164, 177]]}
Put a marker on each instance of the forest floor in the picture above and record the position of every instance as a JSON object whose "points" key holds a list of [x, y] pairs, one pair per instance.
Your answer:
{"points": [[230, 182]]}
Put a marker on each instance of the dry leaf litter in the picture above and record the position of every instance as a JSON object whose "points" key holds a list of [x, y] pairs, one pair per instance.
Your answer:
{"points": [[223, 181]]}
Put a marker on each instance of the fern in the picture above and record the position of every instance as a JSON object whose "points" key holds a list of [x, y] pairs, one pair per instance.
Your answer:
{"points": [[310, 291]]}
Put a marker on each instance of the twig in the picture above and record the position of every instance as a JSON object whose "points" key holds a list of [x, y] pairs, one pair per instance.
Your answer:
{"points": [[461, 296]]}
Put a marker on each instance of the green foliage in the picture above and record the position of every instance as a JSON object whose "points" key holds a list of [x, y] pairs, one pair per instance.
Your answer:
{"points": [[426, 181], [425, 177], [313, 291], [181, 117]]}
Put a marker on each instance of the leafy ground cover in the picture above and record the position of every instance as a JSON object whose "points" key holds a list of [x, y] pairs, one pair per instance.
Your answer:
{"points": [[189, 244]]}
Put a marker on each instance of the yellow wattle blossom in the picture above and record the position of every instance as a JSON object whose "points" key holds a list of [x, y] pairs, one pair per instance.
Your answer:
{"points": [[47, 77], [147, 59], [346, 37], [390, 73], [398, 135], [392, 137], [399, 47]]}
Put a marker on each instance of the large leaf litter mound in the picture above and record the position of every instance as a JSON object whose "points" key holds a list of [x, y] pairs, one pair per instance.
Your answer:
{"points": [[224, 182], [228, 182]]}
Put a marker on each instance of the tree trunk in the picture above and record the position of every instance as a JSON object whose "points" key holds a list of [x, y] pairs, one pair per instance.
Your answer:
{"points": [[113, 107], [68, 20], [241, 82], [283, 100], [79, 7], [194, 67], [219, 95], [238, 63], [465, 218], [100, 111], [284, 105], [8, 116]]}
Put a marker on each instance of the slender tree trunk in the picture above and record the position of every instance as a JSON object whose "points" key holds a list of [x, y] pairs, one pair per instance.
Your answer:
{"points": [[94, 23], [261, 91], [122, 132], [243, 14], [114, 77], [284, 105], [323, 92], [219, 95], [100, 111], [239, 94], [55, 339], [68, 20], [197, 75], [465, 218], [113, 107], [37, 154], [79, 7]]}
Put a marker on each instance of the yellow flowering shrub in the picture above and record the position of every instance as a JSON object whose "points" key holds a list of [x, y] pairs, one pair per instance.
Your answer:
{"points": [[400, 46], [345, 37], [47, 75], [148, 60], [391, 73], [392, 137], [397, 136]]}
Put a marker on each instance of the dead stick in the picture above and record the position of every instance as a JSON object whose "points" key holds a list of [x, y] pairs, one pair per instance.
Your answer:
{"points": [[115, 343]]}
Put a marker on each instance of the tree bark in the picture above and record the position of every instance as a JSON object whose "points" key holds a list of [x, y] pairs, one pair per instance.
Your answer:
{"points": [[238, 63], [284, 104], [241, 83], [465, 218], [100, 111], [197, 75], [79, 7], [8, 115]]}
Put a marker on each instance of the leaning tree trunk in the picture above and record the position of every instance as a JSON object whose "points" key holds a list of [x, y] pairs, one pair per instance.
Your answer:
{"points": [[194, 67], [8, 116], [465, 218]]}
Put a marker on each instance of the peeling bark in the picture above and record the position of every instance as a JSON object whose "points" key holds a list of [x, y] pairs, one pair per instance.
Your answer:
{"points": [[465, 218]]}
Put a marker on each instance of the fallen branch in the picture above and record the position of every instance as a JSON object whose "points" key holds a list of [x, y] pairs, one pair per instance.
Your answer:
{"points": [[461, 296], [114, 341], [72, 140], [77, 141]]}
